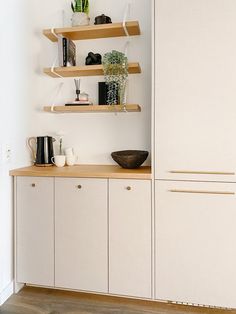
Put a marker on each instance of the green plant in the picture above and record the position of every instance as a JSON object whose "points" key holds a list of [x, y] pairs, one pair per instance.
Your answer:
{"points": [[115, 66], [80, 6]]}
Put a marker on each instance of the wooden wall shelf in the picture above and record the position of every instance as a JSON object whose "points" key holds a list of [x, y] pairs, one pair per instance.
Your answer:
{"points": [[94, 31], [91, 109], [86, 70]]}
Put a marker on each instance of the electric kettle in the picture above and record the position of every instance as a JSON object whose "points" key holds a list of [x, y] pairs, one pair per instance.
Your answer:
{"points": [[41, 148]]}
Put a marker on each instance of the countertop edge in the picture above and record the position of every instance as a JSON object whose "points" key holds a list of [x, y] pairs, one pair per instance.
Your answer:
{"points": [[85, 171]]}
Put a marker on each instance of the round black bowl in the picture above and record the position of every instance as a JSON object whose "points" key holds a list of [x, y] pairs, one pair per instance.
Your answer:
{"points": [[130, 159]]}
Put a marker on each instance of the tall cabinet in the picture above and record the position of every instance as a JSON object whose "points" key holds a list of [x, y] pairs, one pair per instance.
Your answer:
{"points": [[195, 114], [195, 79]]}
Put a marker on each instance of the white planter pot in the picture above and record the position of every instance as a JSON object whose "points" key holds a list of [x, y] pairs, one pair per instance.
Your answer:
{"points": [[80, 18]]}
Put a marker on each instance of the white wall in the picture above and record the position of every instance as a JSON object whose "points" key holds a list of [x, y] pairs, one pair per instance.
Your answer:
{"points": [[25, 90], [94, 136], [14, 127]]}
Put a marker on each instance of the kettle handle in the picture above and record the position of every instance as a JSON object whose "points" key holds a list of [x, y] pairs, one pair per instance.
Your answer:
{"points": [[29, 143]]}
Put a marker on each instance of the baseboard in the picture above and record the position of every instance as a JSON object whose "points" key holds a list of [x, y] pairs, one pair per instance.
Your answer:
{"points": [[6, 293]]}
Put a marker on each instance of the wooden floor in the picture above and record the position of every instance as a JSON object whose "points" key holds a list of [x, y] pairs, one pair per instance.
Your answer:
{"points": [[45, 301]]}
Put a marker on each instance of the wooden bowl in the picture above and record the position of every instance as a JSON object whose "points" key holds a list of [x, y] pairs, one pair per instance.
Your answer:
{"points": [[130, 159]]}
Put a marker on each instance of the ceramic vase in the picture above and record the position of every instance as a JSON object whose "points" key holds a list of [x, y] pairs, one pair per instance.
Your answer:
{"points": [[80, 18]]}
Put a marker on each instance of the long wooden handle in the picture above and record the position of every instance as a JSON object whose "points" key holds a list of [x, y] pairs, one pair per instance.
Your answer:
{"points": [[202, 192], [202, 172]]}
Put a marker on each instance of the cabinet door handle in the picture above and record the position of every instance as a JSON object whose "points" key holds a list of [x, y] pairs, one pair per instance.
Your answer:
{"points": [[79, 187], [202, 192], [202, 172], [33, 185], [128, 188]]}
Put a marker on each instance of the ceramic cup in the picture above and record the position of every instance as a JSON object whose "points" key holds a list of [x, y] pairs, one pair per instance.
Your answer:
{"points": [[71, 160], [59, 160], [69, 151]]}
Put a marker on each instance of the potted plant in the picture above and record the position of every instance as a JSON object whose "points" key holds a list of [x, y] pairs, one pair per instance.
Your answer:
{"points": [[80, 10], [115, 66]]}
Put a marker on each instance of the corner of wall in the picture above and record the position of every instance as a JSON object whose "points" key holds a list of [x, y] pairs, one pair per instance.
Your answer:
{"points": [[6, 293]]}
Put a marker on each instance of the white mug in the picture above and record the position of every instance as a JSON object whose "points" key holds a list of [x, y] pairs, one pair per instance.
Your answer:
{"points": [[69, 151], [59, 160], [71, 160]]}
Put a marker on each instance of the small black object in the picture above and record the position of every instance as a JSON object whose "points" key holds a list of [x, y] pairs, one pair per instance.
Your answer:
{"points": [[102, 19], [130, 159], [93, 58], [102, 93]]}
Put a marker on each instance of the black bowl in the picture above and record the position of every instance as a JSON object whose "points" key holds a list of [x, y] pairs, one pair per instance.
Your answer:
{"points": [[130, 159]]}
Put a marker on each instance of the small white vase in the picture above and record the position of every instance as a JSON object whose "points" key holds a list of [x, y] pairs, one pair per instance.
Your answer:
{"points": [[80, 18]]}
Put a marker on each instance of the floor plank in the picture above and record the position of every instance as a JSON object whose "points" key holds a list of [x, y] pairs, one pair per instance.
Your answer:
{"points": [[45, 301]]}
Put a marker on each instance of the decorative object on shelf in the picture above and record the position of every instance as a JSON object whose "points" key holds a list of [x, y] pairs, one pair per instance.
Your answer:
{"points": [[81, 99], [93, 58], [80, 10], [115, 67], [77, 89], [102, 19], [130, 159], [83, 96], [103, 93]]}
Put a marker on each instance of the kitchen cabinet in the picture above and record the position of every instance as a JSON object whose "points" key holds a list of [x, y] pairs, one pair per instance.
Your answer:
{"points": [[34, 230], [195, 74], [195, 251], [130, 237], [93, 233], [81, 234]]}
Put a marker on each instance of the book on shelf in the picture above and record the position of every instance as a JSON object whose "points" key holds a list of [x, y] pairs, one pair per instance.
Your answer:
{"points": [[80, 103], [66, 52]]}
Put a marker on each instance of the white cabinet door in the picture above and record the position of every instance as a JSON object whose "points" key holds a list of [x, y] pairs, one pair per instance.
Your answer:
{"points": [[35, 230], [196, 242], [130, 237], [195, 75], [81, 260]]}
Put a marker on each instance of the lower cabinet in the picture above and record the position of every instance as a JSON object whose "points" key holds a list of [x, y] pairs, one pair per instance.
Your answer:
{"points": [[35, 230], [196, 242], [130, 237], [81, 232], [84, 234]]}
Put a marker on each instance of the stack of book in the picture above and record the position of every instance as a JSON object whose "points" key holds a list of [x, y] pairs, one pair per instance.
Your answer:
{"points": [[80, 103], [66, 52]]}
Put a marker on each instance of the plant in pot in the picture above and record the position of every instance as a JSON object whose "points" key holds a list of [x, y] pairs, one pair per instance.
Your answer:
{"points": [[115, 67], [80, 10]]}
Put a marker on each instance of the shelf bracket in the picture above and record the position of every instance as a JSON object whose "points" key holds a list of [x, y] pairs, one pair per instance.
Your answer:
{"points": [[55, 97], [56, 58], [126, 14], [53, 32]]}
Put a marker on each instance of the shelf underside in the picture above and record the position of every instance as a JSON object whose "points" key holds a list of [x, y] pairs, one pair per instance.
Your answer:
{"points": [[91, 109], [94, 31], [86, 70]]}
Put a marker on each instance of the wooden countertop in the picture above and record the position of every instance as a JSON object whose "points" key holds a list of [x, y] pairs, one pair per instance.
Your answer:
{"points": [[85, 171]]}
